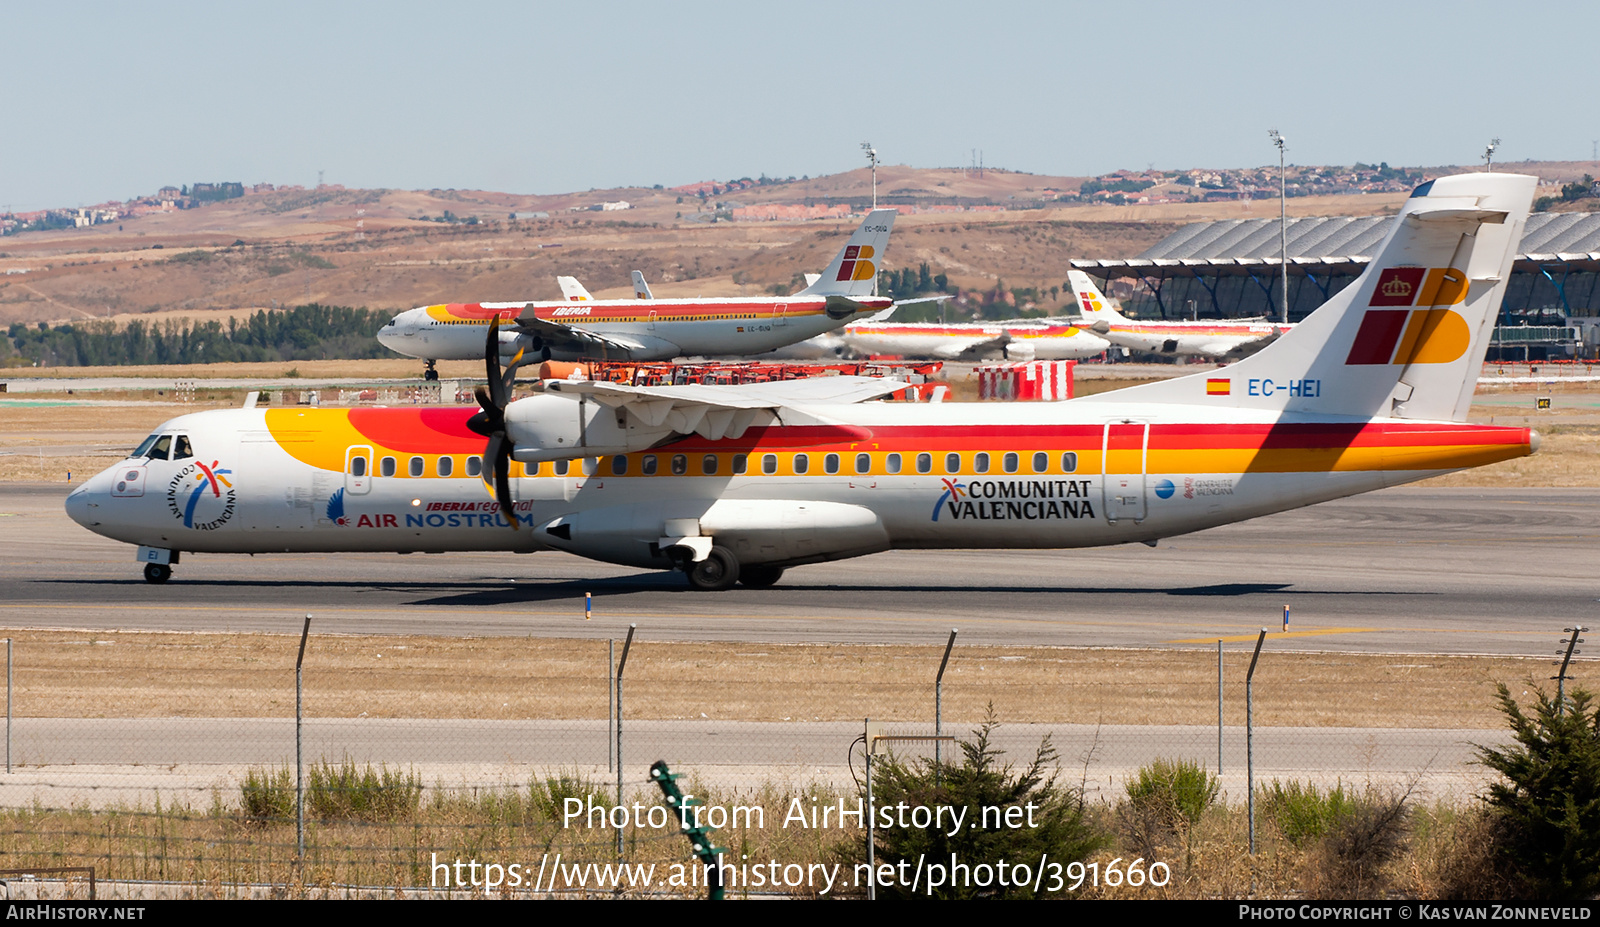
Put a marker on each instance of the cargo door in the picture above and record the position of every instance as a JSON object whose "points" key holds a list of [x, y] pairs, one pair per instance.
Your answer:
{"points": [[1124, 455]]}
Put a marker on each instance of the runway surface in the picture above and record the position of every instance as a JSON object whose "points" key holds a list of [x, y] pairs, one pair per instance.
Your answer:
{"points": [[1403, 570]]}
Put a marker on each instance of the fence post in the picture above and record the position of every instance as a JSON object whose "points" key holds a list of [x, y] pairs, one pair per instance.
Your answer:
{"points": [[626, 645], [8, 705], [1561, 681], [299, 754], [938, 698], [611, 698], [1219, 706], [1250, 742]]}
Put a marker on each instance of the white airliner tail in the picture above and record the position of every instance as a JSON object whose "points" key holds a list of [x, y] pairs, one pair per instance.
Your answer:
{"points": [[854, 270], [1408, 337], [573, 291], [641, 290], [1091, 302]]}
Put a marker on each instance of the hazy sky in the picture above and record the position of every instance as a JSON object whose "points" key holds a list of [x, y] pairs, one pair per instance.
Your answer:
{"points": [[110, 100]]}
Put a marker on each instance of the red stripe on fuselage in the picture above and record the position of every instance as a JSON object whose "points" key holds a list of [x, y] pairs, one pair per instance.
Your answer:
{"points": [[419, 431]]}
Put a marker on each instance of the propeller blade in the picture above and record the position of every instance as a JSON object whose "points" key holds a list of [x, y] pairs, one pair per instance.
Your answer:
{"points": [[502, 482]]}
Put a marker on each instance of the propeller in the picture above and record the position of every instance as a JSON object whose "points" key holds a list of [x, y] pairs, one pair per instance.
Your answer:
{"points": [[491, 421]]}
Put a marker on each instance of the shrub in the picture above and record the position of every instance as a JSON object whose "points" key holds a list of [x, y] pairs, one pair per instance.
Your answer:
{"points": [[344, 792], [1060, 832], [1302, 812], [268, 794], [549, 795], [1549, 804], [1350, 860], [340, 792], [1175, 792]]}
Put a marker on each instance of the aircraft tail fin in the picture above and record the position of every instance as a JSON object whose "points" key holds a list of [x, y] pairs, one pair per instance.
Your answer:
{"points": [[854, 270], [1407, 338], [1092, 303], [573, 291], [641, 290]]}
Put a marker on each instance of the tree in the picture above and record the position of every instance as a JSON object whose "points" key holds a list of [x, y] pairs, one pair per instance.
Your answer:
{"points": [[1050, 819], [1549, 805]]}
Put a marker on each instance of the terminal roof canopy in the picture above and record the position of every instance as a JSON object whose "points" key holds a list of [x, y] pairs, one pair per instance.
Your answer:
{"points": [[1333, 245]]}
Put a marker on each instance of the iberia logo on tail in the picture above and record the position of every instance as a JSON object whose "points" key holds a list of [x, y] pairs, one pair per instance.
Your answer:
{"points": [[856, 265], [1427, 334]]}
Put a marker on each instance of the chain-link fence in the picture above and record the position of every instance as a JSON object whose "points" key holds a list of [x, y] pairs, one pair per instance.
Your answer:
{"points": [[173, 757]]}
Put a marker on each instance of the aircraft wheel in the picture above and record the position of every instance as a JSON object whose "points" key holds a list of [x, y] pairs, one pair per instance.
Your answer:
{"points": [[430, 375], [760, 575], [719, 571], [157, 572]]}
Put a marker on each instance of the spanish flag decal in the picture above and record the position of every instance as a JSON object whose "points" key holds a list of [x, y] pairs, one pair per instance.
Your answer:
{"points": [[1220, 386]]}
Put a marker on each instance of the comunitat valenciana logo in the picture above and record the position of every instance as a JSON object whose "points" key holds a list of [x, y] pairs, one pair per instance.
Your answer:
{"points": [[201, 497]]}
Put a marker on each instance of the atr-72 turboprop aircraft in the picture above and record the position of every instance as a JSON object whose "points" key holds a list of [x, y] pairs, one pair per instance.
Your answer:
{"points": [[579, 328], [740, 483]]}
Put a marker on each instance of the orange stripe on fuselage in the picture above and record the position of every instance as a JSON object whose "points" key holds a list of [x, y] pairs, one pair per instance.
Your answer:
{"points": [[320, 437], [657, 310]]}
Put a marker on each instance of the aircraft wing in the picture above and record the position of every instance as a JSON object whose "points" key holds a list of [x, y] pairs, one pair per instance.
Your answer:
{"points": [[609, 345], [716, 412], [978, 350]]}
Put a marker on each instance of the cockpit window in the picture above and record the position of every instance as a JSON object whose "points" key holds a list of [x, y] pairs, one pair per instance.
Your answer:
{"points": [[144, 447], [162, 446], [180, 447]]}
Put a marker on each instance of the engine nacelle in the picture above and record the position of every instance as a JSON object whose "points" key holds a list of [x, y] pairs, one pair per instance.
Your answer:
{"points": [[555, 427], [769, 531]]}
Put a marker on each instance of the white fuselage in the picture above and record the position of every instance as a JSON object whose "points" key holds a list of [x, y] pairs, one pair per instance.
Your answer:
{"points": [[891, 475], [655, 329]]}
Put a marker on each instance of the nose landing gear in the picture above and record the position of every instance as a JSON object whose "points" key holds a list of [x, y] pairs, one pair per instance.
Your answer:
{"points": [[432, 371], [157, 572]]}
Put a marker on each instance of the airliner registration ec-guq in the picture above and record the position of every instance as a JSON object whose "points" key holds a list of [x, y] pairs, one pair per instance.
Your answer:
{"points": [[655, 329], [736, 484]]}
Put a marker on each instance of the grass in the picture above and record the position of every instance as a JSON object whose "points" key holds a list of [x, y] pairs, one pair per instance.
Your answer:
{"points": [[129, 674], [1431, 852]]}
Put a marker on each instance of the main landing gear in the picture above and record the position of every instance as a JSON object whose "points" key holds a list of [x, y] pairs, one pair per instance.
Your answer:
{"points": [[157, 572], [721, 569]]}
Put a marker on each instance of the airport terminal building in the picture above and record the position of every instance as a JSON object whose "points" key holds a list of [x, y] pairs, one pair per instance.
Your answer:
{"points": [[1229, 269]]}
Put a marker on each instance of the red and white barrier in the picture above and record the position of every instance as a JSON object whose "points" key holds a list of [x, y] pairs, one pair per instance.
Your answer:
{"points": [[1029, 380]]}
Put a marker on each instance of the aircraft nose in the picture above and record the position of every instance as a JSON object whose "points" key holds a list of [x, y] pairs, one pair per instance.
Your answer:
{"points": [[84, 503]]}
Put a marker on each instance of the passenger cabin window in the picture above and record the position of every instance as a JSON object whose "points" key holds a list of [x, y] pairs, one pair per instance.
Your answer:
{"points": [[769, 464], [358, 466], [648, 465], [1009, 462], [680, 464], [561, 467], [924, 463], [415, 467], [892, 463], [952, 463], [980, 463], [589, 465], [180, 448], [386, 467], [863, 463], [445, 466], [830, 463], [1041, 462], [708, 465], [1069, 462], [474, 466], [619, 465], [802, 463], [740, 463]]}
